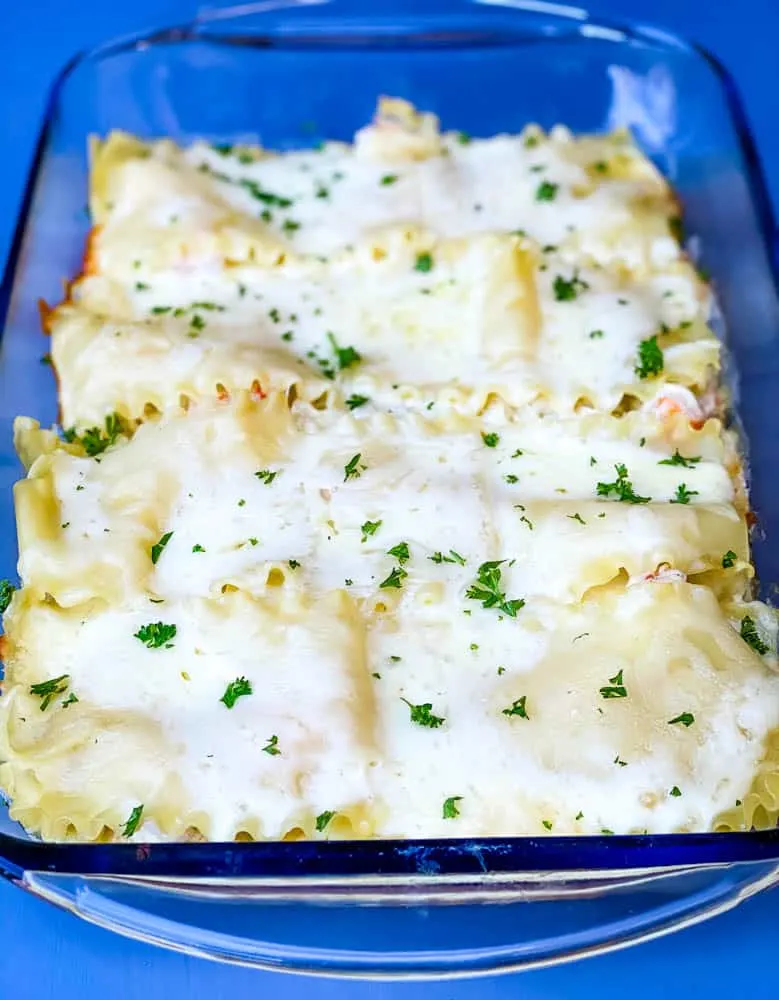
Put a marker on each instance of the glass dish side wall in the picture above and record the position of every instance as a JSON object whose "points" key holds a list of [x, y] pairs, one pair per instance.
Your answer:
{"points": [[286, 78]]}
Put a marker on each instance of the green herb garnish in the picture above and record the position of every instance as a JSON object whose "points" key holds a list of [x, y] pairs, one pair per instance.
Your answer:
{"points": [[133, 822], [729, 559], [615, 687], [369, 528], [517, 708], [677, 459], [423, 716], [682, 494], [751, 636], [156, 549], [7, 590], [487, 589], [353, 469], [491, 440], [323, 819], [48, 690], [621, 488], [686, 719], [450, 810], [266, 476], [156, 634], [354, 401], [272, 747], [423, 263], [650, 358], [452, 557], [546, 191]]}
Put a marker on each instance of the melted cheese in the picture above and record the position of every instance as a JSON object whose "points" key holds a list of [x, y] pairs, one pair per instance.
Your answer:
{"points": [[415, 517]]}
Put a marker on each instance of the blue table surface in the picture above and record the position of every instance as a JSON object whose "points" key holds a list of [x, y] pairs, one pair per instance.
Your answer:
{"points": [[50, 954]]}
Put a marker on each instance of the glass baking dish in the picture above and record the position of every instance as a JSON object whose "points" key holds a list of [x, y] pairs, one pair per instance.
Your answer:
{"points": [[289, 74]]}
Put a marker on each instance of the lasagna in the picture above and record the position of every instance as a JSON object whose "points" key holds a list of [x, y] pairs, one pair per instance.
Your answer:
{"points": [[393, 498]]}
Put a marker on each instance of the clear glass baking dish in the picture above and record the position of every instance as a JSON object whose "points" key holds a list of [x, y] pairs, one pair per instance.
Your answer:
{"points": [[289, 74]]}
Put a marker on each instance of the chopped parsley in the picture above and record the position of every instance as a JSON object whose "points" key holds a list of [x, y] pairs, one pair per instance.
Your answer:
{"points": [[463, 138], [70, 700], [751, 636], [369, 528], [547, 824], [388, 179], [619, 761], [675, 791], [345, 357], [254, 189], [197, 322], [491, 440], [677, 459], [729, 559], [622, 488], [266, 476], [156, 634], [199, 547], [511, 479], [353, 469], [293, 564], [595, 334], [576, 517], [236, 689], [395, 580], [650, 358], [452, 557], [422, 715], [272, 747], [487, 589], [354, 401], [287, 335], [6, 593], [133, 822], [518, 708], [323, 819], [94, 441], [685, 719], [682, 494], [567, 289], [423, 263], [400, 551], [546, 191], [450, 810], [156, 549], [48, 690], [615, 688]]}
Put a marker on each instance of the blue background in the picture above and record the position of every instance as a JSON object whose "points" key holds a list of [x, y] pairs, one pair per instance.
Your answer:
{"points": [[50, 954]]}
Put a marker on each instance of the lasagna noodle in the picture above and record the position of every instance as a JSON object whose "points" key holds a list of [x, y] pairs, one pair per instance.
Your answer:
{"points": [[285, 493], [530, 701], [598, 197]]}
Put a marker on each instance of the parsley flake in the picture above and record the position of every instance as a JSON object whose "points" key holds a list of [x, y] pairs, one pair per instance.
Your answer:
{"points": [[395, 580], [354, 401], [565, 289], [517, 708], [596, 334], [450, 810], [199, 547], [345, 357], [353, 469], [677, 459], [94, 441], [48, 690], [156, 549], [547, 824], [400, 551], [323, 820], [388, 179], [729, 559], [751, 636], [576, 517], [650, 358], [133, 822], [546, 191], [266, 476], [675, 791], [615, 687], [685, 719], [487, 590], [272, 747], [369, 528], [452, 557], [682, 494], [423, 263], [621, 488], [156, 634], [491, 440], [422, 715]]}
